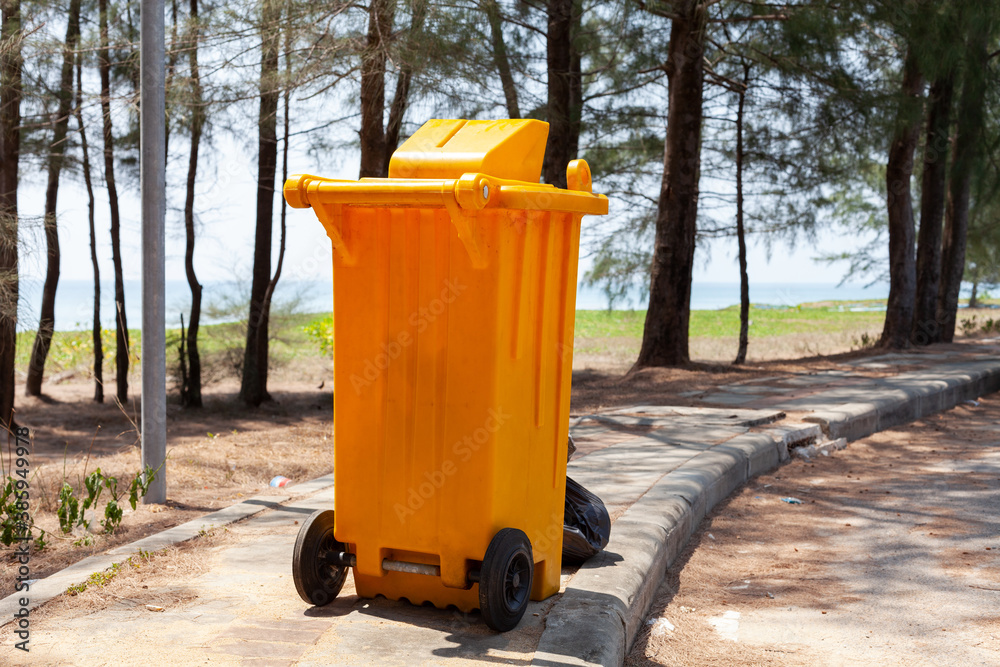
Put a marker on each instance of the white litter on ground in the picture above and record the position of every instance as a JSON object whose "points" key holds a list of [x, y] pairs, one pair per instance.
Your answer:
{"points": [[661, 626]]}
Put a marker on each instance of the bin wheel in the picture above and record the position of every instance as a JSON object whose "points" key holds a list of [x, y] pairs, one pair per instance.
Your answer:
{"points": [[316, 581], [505, 579]]}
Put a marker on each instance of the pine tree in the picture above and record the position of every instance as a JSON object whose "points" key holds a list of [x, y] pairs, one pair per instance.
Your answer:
{"points": [[665, 333], [980, 24], [56, 158], [91, 204], [902, 231], [191, 392], [10, 138], [253, 387], [121, 321]]}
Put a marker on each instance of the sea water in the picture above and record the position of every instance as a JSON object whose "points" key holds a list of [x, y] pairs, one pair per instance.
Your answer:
{"points": [[75, 298]]}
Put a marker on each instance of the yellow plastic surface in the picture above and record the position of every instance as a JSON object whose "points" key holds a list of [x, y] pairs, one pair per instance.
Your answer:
{"points": [[509, 149], [454, 304]]}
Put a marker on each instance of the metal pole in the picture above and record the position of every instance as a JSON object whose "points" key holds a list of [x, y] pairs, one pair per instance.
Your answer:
{"points": [[152, 121]]}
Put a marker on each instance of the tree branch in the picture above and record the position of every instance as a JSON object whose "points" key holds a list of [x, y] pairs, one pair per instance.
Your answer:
{"points": [[745, 19], [658, 12], [724, 81]]}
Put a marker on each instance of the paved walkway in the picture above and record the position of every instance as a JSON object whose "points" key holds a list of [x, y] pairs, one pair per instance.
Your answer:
{"points": [[659, 469], [243, 609]]}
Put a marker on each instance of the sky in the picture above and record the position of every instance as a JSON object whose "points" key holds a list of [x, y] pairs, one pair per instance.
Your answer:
{"points": [[226, 201]]}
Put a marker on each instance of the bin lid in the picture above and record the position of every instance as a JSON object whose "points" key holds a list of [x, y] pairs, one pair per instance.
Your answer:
{"points": [[507, 149]]}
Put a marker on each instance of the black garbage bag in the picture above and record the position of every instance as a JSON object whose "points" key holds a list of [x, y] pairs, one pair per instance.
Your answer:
{"points": [[586, 524]]}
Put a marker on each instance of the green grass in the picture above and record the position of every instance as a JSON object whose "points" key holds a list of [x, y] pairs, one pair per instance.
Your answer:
{"points": [[69, 349], [726, 322], [311, 334], [75, 349]]}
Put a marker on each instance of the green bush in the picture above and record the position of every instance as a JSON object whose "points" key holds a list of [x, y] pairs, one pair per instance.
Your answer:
{"points": [[320, 332]]}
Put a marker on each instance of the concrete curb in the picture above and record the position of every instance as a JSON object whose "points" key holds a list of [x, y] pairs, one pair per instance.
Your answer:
{"points": [[614, 590], [43, 590], [915, 395]]}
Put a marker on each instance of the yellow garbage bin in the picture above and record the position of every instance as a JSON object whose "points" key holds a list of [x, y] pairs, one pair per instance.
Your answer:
{"points": [[453, 310]]}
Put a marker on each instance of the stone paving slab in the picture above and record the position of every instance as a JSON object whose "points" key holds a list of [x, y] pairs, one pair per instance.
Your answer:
{"points": [[731, 399], [702, 415], [897, 359], [907, 397]]}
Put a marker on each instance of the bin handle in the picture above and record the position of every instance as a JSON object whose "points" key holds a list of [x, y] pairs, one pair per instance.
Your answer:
{"points": [[471, 192], [462, 198]]}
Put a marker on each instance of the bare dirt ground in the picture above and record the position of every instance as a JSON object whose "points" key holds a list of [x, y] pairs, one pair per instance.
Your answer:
{"points": [[617, 354], [893, 558], [216, 456]]}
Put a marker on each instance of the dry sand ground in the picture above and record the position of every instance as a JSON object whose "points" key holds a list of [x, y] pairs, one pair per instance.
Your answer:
{"points": [[216, 456], [892, 559], [617, 354]]}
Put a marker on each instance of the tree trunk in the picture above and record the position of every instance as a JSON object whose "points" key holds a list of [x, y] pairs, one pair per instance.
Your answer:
{"points": [[132, 69], [171, 68], [10, 150], [182, 362], [373, 144], [964, 155], [121, 321], [926, 328], [286, 98], [741, 353], [500, 57], [253, 387], [401, 96], [559, 39], [85, 149], [902, 235], [973, 298], [665, 334], [575, 92], [57, 151], [191, 389]]}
